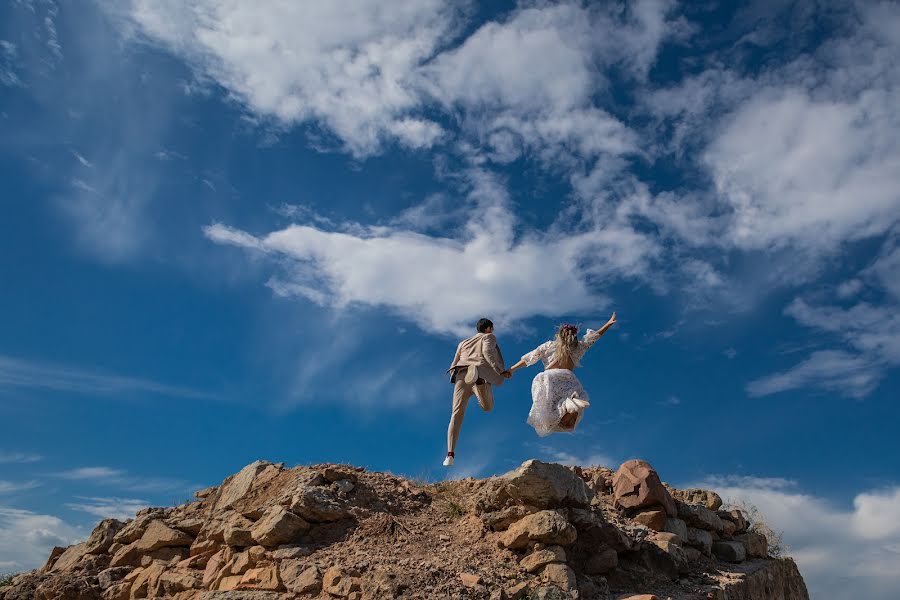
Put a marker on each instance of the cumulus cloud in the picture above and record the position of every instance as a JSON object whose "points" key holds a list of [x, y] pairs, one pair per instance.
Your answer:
{"points": [[443, 283], [26, 538], [349, 66], [801, 155], [843, 553]]}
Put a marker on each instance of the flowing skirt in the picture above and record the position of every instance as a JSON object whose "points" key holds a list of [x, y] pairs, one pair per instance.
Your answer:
{"points": [[555, 392]]}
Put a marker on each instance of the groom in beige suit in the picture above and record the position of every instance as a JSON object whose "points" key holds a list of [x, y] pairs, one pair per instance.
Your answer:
{"points": [[477, 366]]}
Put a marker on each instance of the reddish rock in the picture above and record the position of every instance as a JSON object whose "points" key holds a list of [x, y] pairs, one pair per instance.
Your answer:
{"points": [[637, 485]]}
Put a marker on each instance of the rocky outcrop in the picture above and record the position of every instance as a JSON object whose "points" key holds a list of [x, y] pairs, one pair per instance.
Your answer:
{"points": [[337, 532]]}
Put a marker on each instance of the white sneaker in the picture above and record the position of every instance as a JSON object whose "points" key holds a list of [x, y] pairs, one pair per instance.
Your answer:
{"points": [[448, 462]]}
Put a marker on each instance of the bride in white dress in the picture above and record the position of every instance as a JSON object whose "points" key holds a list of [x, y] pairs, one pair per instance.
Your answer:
{"points": [[558, 398]]}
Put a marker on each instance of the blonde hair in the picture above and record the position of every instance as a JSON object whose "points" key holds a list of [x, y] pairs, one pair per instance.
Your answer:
{"points": [[566, 344]]}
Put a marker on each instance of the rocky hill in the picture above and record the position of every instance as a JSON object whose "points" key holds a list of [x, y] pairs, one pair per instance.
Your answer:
{"points": [[542, 531]]}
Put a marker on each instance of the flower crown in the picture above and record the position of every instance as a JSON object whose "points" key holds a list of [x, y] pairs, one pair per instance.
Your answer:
{"points": [[568, 327]]}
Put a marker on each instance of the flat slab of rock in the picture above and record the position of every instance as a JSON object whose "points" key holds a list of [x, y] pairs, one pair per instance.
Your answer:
{"points": [[700, 517], [236, 487], [637, 485], [547, 485], [70, 557]]}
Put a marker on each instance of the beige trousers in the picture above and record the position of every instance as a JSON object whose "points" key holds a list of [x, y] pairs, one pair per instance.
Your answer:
{"points": [[462, 392]]}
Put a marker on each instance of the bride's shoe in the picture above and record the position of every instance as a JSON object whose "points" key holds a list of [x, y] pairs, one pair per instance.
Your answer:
{"points": [[574, 405], [448, 462]]}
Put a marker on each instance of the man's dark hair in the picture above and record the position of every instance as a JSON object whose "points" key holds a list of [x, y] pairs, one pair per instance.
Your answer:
{"points": [[483, 325]]}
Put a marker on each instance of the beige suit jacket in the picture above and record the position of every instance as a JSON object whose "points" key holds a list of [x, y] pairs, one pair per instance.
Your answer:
{"points": [[482, 351]]}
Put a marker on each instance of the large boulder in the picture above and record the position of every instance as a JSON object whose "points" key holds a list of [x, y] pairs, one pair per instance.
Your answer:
{"points": [[238, 485], [278, 526], [637, 485], [70, 557], [103, 536], [756, 544], [729, 551], [159, 535], [546, 526], [547, 485]]}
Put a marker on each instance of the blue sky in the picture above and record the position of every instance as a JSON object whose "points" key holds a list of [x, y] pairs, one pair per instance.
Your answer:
{"points": [[232, 232]]}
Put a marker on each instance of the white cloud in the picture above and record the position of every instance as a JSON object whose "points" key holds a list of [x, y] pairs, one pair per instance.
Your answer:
{"points": [[830, 370], [350, 66], [26, 538], [843, 554], [109, 508], [12, 487], [15, 372], [19, 457], [588, 459], [444, 283], [91, 473], [120, 479], [872, 333]]}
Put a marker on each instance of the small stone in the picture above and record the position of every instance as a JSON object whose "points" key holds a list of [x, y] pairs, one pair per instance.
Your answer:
{"points": [[700, 539], [665, 536], [338, 582], [560, 575], [654, 519], [470, 580], [728, 528], [536, 560], [517, 591], [601, 562]]}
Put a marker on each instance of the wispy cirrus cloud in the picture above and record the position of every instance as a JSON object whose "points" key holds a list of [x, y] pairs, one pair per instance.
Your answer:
{"points": [[17, 372], [108, 507], [19, 457], [120, 479], [13, 487]]}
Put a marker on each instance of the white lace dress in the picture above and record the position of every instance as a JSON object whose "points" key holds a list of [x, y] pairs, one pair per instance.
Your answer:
{"points": [[554, 392]]}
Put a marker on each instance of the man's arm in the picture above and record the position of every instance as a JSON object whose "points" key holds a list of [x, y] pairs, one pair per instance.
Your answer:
{"points": [[456, 357], [491, 355]]}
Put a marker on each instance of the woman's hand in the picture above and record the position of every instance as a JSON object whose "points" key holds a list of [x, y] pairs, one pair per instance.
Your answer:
{"points": [[612, 320]]}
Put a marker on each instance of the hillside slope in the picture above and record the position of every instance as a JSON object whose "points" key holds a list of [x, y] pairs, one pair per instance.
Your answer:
{"points": [[334, 531]]}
